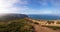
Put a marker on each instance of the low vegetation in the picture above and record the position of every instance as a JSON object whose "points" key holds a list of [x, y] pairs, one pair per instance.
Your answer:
{"points": [[18, 25], [58, 22], [49, 22], [53, 27]]}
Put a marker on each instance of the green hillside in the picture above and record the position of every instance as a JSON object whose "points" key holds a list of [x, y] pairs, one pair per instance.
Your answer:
{"points": [[18, 25]]}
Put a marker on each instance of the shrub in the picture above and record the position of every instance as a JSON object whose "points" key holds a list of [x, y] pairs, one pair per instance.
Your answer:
{"points": [[19, 25]]}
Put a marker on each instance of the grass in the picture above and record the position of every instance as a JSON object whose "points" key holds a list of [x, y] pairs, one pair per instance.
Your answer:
{"points": [[18, 25]]}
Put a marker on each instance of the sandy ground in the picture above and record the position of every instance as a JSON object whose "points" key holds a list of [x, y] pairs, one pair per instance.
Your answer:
{"points": [[39, 28]]}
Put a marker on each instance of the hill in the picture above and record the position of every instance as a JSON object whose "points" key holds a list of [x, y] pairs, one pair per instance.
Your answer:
{"points": [[14, 23], [18, 25], [7, 17]]}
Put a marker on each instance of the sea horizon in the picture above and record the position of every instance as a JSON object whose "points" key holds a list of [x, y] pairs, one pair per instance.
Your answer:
{"points": [[44, 17]]}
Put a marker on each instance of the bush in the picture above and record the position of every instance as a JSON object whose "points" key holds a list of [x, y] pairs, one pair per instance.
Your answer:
{"points": [[49, 22], [19, 25]]}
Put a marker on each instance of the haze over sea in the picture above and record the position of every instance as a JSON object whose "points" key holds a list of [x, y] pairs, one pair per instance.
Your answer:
{"points": [[44, 17]]}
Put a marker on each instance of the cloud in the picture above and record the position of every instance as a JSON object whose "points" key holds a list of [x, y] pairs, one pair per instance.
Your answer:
{"points": [[43, 2], [19, 6], [7, 6], [42, 11], [54, 3]]}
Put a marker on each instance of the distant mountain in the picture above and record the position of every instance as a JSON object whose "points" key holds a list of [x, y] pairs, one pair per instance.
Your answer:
{"points": [[7, 17]]}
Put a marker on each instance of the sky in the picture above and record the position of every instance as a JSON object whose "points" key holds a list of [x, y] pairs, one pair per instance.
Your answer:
{"points": [[30, 6]]}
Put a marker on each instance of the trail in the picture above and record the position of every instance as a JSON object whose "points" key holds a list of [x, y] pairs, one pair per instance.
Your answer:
{"points": [[39, 28]]}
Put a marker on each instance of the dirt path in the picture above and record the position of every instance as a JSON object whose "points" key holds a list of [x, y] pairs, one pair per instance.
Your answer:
{"points": [[39, 28]]}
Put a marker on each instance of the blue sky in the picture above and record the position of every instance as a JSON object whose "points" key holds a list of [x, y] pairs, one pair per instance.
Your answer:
{"points": [[30, 6]]}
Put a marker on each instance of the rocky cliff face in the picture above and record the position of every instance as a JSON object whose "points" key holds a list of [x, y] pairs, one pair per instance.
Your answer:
{"points": [[12, 16]]}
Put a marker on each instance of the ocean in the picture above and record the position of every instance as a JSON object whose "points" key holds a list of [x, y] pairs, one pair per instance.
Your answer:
{"points": [[44, 17]]}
